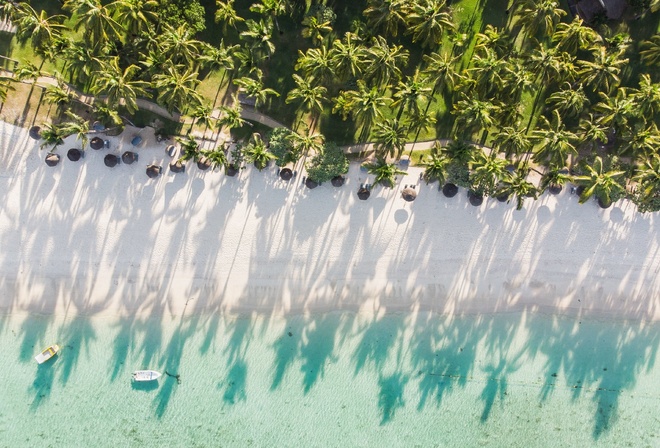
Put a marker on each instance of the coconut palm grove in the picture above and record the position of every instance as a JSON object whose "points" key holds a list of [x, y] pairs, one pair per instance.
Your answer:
{"points": [[504, 88]]}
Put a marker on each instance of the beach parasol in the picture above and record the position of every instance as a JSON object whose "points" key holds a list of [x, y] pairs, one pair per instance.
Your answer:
{"points": [[286, 174], [177, 167], [74, 154], [311, 184], [111, 160], [170, 150], [554, 188], [449, 190], [409, 194], [363, 193], [96, 143], [503, 197], [338, 181], [129, 157], [154, 171], [231, 170], [35, 132], [475, 199], [52, 159], [204, 163]]}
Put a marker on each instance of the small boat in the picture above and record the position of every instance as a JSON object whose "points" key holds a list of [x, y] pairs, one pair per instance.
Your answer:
{"points": [[146, 375], [48, 353]]}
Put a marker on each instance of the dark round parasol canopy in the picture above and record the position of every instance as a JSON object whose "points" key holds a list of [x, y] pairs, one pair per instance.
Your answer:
{"points": [[502, 197], [231, 170], [554, 188], [204, 163], [602, 204], [409, 194], [363, 194], [129, 157], [74, 154], [338, 181], [475, 199], [579, 190], [286, 174], [450, 190], [311, 184], [154, 171], [177, 167], [35, 132], [52, 159], [111, 160], [96, 143]]}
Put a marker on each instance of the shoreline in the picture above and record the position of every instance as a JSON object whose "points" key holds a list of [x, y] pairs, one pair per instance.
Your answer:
{"points": [[86, 239]]}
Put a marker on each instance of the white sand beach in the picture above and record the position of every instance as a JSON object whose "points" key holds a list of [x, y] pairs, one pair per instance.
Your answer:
{"points": [[84, 238]]}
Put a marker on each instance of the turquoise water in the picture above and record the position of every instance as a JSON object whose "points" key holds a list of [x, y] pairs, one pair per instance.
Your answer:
{"points": [[336, 379]]}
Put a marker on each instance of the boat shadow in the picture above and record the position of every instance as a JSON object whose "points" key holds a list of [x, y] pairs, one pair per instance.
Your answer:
{"points": [[145, 386]]}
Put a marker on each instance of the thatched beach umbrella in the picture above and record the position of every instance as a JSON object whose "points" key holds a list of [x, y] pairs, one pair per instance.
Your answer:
{"points": [[409, 194], [311, 184], [177, 166], [111, 160], [96, 143], [450, 190], [52, 159], [475, 199], [231, 170], [338, 181], [286, 174], [154, 171], [363, 194], [204, 163], [35, 132], [74, 154], [129, 157]]}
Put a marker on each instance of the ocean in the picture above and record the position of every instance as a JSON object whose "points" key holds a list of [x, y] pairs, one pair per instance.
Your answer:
{"points": [[337, 379]]}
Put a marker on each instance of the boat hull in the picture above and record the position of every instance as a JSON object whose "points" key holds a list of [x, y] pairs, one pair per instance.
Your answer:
{"points": [[47, 354], [146, 375]]}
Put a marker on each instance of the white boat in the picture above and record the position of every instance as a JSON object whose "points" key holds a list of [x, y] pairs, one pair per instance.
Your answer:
{"points": [[48, 353], [146, 375]]}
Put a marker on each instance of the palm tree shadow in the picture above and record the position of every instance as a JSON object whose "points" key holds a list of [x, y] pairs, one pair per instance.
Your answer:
{"points": [[390, 396], [236, 383], [318, 348], [79, 335], [287, 349], [43, 383]]}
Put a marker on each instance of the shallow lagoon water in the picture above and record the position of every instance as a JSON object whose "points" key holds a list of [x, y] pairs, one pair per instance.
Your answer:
{"points": [[335, 379]]}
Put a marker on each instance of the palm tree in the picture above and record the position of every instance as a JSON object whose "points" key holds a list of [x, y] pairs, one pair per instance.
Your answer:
{"points": [[642, 141], [254, 88], [651, 51], [554, 179], [512, 141], [82, 62], [316, 62], [27, 70], [592, 132], [487, 71], [548, 64], [189, 148], [219, 57], [217, 157], [256, 152], [441, 69], [436, 165], [77, 126], [409, 93], [201, 115], [569, 100], [574, 36], [539, 15], [231, 116], [309, 95], [227, 15], [315, 29], [365, 104], [176, 90], [42, 29], [384, 62], [52, 134], [603, 73], [386, 15], [178, 46], [472, 113], [5, 87], [258, 36], [494, 39], [348, 56], [391, 137], [135, 15], [487, 171], [95, 19], [518, 186], [385, 173], [428, 20], [556, 142], [648, 184], [272, 9], [605, 185], [107, 115], [307, 142], [460, 154], [616, 111], [646, 97], [58, 94], [120, 86]]}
